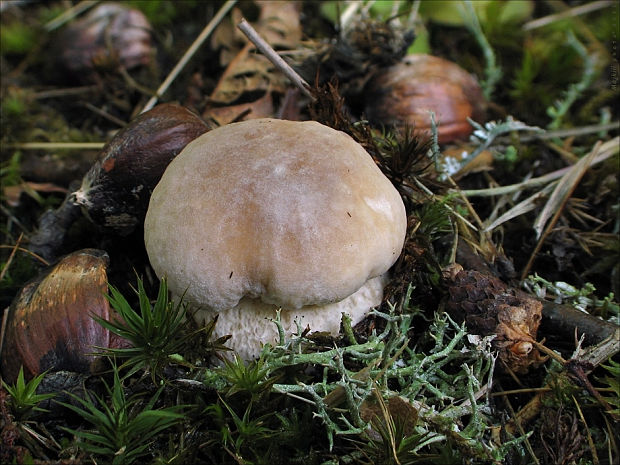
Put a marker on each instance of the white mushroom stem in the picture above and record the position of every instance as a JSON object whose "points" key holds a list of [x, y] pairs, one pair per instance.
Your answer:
{"points": [[251, 321]]}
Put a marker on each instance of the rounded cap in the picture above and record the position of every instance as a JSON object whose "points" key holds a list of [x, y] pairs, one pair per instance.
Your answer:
{"points": [[291, 213]]}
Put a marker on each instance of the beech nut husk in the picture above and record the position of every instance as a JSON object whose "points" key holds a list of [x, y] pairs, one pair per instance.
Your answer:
{"points": [[50, 325], [404, 94], [115, 192], [111, 33]]}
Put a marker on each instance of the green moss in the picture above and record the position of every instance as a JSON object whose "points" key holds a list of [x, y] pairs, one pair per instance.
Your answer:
{"points": [[17, 39], [160, 12]]}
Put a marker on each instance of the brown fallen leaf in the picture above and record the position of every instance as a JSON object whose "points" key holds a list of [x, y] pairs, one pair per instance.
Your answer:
{"points": [[13, 193], [384, 414], [249, 76], [260, 108]]}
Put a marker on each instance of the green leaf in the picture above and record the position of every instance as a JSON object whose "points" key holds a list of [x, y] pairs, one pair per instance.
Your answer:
{"points": [[450, 12]]}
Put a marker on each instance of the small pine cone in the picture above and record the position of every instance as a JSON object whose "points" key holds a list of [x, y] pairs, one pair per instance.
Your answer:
{"points": [[490, 307]]}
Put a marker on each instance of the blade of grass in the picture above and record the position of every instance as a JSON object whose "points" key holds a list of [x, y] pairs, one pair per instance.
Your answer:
{"points": [[555, 205], [607, 150]]}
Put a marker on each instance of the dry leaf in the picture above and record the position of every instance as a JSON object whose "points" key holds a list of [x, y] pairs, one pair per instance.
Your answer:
{"points": [[261, 108], [13, 193], [564, 190]]}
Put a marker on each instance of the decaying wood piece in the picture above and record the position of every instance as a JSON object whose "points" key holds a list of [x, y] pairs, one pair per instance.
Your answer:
{"points": [[569, 321], [53, 227]]}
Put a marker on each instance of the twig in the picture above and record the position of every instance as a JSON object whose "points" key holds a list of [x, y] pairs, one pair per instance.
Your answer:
{"points": [[608, 149], [565, 319], [64, 92], [26, 251], [105, 114], [276, 59], [559, 133], [56, 145], [576, 11], [593, 354], [11, 256], [206, 32], [595, 459], [69, 14]]}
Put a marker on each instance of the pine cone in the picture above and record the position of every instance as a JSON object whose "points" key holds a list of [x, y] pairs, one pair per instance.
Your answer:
{"points": [[490, 307]]}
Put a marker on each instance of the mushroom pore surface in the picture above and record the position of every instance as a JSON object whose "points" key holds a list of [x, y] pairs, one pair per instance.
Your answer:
{"points": [[291, 213]]}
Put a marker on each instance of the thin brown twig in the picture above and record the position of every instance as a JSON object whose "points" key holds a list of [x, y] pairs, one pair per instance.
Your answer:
{"points": [[595, 459], [22, 249], [576, 11], [56, 145], [11, 256], [520, 391], [64, 92], [273, 56], [549, 352], [105, 114], [206, 32], [69, 14]]}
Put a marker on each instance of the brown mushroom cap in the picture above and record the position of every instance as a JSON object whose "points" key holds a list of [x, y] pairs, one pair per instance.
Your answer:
{"points": [[291, 213]]}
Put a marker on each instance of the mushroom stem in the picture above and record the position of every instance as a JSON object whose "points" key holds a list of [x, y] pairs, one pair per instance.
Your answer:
{"points": [[273, 56]]}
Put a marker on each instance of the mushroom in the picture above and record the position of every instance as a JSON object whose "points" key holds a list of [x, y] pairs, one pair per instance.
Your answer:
{"points": [[267, 214]]}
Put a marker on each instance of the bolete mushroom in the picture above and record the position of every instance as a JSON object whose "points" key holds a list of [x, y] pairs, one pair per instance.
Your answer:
{"points": [[267, 214]]}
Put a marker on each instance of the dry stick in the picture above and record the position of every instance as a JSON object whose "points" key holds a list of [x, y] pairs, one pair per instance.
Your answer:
{"points": [[206, 32], [11, 256], [2, 273], [587, 161], [607, 150], [276, 59], [26, 251], [56, 145], [576, 11], [105, 114], [65, 92], [69, 14], [559, 133]]}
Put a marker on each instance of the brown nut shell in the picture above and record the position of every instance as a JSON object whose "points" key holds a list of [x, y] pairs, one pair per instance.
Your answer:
{"points": [[110, 33], [50, 324], [116, 190], [404, 94]]}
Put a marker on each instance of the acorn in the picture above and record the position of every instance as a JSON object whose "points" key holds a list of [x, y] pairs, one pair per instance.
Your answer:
{"points": [[111, 33], [50, 323], [115, 191], [404, 94]]}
